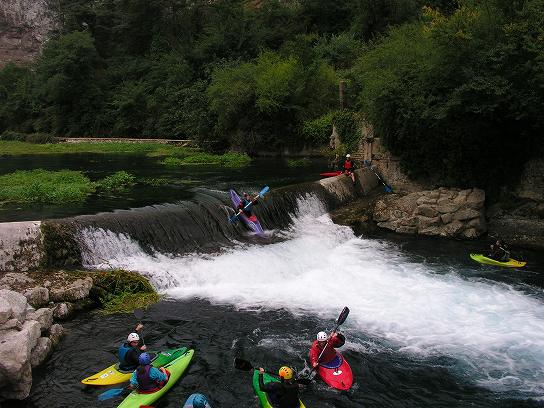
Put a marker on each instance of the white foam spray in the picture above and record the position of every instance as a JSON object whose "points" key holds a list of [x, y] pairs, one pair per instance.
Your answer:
{"points": [[494, 332]]}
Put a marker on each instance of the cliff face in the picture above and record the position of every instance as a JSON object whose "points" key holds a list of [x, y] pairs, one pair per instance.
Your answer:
{"points": [[24, 25]]}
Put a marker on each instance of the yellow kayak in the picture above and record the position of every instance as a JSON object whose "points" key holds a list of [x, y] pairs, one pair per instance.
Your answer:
{"points": [[112, 374], [511, 263]]}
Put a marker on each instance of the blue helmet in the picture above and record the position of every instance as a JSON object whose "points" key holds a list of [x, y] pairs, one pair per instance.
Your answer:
{"points": [[199, 401], [144, 359]]}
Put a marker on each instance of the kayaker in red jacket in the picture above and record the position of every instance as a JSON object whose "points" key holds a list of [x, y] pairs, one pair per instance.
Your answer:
{"points": [[335, 340], [349, 168]]}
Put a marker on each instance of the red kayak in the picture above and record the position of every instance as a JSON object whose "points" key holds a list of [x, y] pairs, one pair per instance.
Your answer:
{"points": [[331, 174], [337, 373]]}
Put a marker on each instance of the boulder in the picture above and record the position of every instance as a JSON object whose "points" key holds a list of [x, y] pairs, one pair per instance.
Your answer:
{"points": [[425, 222], [14, 279], [43, 316], [466, 214], [12, 324], [452, 229], [55, 333], [63, 310], [447, 207], [446, 218], [427, 211], [77, 290], [470, 233], [17, 303], [5, 310], [476, 199], [38, 296], [41, 351]]}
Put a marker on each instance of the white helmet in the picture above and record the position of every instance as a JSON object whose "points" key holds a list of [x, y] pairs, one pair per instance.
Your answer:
{"points": [[322, 336], [348, 155], [133, 337]]}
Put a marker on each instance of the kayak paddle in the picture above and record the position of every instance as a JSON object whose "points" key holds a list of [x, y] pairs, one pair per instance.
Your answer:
{"points": [[341, 319], [388, 188], [139, 314], [114, 392], [261, 194], [245, 365]]}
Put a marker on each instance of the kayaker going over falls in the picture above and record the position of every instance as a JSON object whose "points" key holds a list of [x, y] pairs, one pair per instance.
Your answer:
{"points": [[130, 351], [324, 347], [147, 378], [282, 394], [245, 200]]}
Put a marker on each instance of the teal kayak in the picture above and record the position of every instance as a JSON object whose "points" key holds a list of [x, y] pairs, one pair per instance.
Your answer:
{"points": [[176, 368]]}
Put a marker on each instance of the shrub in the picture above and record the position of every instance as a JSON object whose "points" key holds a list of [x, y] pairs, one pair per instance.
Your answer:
{"points": [[117, 181], [318, 131]]}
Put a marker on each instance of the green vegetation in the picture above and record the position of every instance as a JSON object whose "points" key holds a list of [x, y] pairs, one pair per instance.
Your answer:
{"points": [[452, 87], [230, 159], [120, 291], [41, 186], [299, 162], [117, 181]]}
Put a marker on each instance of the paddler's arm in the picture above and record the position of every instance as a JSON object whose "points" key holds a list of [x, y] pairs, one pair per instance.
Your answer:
{"points": [[262, 386]]}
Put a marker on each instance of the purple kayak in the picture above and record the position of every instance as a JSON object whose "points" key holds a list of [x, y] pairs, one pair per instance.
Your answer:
{"points": [[252, 222]]}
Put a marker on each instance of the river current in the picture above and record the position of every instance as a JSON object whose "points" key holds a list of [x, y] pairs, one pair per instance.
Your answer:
{"points": [[427, 327]]}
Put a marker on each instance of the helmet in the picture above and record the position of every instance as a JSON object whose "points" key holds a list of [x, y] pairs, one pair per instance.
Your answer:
{"points": [[286, 373], [133, 337], [144, 359], [199, 401], [245, 194], [322, 336], [348, 155]]}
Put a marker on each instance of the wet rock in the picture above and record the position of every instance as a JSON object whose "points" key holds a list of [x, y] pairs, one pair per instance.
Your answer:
{"points": [[41, 351], [43, 316], [77, 290]]}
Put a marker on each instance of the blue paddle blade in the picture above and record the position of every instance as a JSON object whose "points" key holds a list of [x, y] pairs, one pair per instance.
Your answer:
{"points": [[264, 191], [388, 189], [111, 394]]}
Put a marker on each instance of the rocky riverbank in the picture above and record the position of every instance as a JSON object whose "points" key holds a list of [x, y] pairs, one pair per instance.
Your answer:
{"points": [[33, 303]]}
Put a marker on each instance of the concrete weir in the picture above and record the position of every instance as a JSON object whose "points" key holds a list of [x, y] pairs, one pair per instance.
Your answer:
{"points": [[20, 246]]}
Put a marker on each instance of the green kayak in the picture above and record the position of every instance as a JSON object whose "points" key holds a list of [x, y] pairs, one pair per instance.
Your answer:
{"points": [[176, 368], [511, 263], [265, 403]]}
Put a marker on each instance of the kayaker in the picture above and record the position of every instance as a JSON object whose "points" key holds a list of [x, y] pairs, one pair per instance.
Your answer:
{"points": [[324, 342], [130, 351], [245, 200], [349, 168], [147, 378], [283, 394], [498, 251], [200, 401]]}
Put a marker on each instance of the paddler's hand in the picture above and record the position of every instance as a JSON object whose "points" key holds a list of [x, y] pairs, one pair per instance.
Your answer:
{"points": [[261, 370], [139, 327], [314, 365], [143, 348]]}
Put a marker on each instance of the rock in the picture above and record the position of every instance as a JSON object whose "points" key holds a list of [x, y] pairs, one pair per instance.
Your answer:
{"points": [[17, 303], [38, 296], [41, 351], [12, 324], [466, 214], [14, 279], [5, 310], [427, 211], [43, 316], [63, 310], [452, 229], [425, 222], [406, 230], [425, 200], [470, 233], [432, 231], [55, 333], [446, 218], [15, 354], [476, 199], [461, 197], [447, 207], [77, 290]]}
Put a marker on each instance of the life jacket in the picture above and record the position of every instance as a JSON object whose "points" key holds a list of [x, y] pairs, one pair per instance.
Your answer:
{"points": [[243, 203], [123, 350], [145, 383], [348, 165]]}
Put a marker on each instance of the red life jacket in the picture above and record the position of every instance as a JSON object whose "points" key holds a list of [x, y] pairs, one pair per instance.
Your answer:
{"points": [[348, 164]]}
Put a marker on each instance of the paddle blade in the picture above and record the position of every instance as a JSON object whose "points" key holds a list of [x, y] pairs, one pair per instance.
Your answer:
{"points": [[388, 189], [233, 219], [139, 314], [111, 394], [264, 191], [242, 364], [343, 316]]}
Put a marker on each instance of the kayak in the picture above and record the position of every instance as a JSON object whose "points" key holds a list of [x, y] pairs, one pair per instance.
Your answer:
{"points": [[189, 402], [336, 373], [252, 222], [511, 263], [112, 374], [263, 398], [331, 174], [176, 368]]}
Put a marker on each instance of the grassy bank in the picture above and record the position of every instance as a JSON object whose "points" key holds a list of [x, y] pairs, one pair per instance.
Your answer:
{"points": [[15, 148], [230, 159]]}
